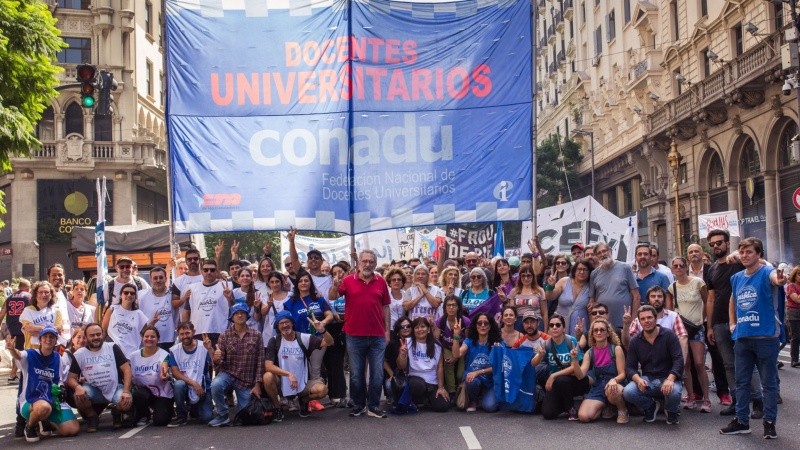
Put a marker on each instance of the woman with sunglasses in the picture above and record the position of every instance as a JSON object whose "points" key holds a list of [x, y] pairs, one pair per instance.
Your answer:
{"points": [[421, 357], [482, 335], [422, 299], [453, 366], [503, 281], [508, 330], [477, 291], [562, 385], [396, 279], [561, 269], [527, 295], [393, 378], [124, 321], [688, 297], [246, 293], [604, 365], [572, 294]]}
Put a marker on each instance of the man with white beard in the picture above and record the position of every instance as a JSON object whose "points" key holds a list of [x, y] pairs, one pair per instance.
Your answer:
{"points": [[613, 283]]}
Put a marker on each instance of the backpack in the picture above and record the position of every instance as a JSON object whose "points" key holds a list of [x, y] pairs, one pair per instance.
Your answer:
{"points": [[136, 280], [305, 350], [258, 411]]}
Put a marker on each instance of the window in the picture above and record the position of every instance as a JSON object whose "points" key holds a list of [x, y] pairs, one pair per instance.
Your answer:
{"points": [[74, 4], [750, 164], [151, 207], [673, 19], [780, 20], [73, 119], [78, 51], [703, 8], [683, 173], [677, 86], [626, 6], [786, 145], [149, 78], [46, 130], [598, 41], [102, 128], [583, 13], [611, 22], [596, 3], [716, 177], [706, 62], [738, 41], [148, 18]]}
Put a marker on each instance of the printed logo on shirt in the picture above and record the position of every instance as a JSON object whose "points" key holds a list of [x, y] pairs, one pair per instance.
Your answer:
{"points": [[123, 327], [207, 304], [752, 318], [42, 319], [49, 374], [481, 360], [746, 297], [190, 364], [98, 359], [146, 368]]}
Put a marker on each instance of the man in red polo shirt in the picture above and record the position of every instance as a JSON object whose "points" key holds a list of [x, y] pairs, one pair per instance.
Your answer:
{"points": [[366, 303]]}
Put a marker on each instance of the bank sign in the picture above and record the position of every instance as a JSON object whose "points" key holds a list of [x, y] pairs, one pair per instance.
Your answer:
{"points": [[63, 205], [348, 115]]}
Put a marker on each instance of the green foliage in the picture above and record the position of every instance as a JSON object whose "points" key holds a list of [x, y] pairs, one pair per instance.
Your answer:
{"points": [[550, 179], [29, 41]]}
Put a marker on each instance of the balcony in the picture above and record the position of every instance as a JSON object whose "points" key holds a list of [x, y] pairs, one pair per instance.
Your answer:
{"points": [[551, 34], [568, 9], [739, 82], [649, 66], [543, 42], [73, 153], [558, 19], [542, 6]]}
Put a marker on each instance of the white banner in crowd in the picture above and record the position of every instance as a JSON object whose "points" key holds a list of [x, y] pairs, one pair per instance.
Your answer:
{"points": [[582, 221], [726, 220], [383, 243]]}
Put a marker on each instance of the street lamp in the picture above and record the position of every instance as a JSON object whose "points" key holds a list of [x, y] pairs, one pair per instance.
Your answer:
{"points": [[674, 159], [591, 150]]}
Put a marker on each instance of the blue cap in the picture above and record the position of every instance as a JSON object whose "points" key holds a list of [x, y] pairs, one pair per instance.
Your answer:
{"points": [[48, 329], [239, 307], [282, 316]]}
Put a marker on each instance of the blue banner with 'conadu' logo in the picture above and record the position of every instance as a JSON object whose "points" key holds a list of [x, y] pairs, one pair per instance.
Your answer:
{"points": [[348, 115]]}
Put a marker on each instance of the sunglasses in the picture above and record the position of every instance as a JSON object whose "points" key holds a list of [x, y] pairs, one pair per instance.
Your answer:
{"points": [[128, 293], [471, 261], [209, 269], [716, 243], [124, 266], [526, 275], [396, 279], [196, 258], [482, 323], [405, 327], [599, 330], [678, 266], [599, 313], [561, 263], [451, 305], [555, 325], [314, 258], [475, 277]]}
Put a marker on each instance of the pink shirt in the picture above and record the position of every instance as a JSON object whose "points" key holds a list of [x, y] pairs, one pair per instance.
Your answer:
{"points": [[363, 305], [792, 288]]}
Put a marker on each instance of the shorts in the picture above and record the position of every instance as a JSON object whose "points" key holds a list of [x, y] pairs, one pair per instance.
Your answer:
{"points": [[700, 336], [598, 391], [57, 417], [97, 398], [310, 384]]}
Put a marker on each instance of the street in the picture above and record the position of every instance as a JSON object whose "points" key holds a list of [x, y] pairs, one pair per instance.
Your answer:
{"points": [[426, 430]]}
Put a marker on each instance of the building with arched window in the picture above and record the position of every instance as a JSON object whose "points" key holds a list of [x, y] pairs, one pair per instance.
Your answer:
{"points": [[700, 80], [54, 190]]}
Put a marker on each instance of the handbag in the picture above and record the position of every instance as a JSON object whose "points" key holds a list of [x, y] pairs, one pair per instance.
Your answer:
{"points": [[691, 328], [462, 399], [258, 411]]}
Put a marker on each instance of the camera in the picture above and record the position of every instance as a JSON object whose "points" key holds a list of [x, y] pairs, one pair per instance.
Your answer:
{"points": [[789, 84]]}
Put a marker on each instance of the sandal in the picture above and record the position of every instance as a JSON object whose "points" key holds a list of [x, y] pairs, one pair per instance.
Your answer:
{"points": [[622, 416], [706, 407]]}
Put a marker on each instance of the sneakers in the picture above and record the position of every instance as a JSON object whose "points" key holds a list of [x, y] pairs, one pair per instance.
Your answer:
{"points": [[608, 412], [725, 400], [573, 414], [142, 422], [472, 407], [672, 418], [377, 413], [32, 433], [19, 430], [293, 406], [692, 405], [304, 410], [92, 423], [116, 419], [178, 422], [622, 416], [769, 430], [651, 413], [277, 415], [358, 412], [736, 428], [13, 380], [706, 406], [46, 428], [795, 364], [758, 410], [220, 421], [316, 405], [729, 411]]}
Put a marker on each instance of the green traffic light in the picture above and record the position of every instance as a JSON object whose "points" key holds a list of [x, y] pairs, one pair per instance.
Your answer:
{"points": [[88, 102]]}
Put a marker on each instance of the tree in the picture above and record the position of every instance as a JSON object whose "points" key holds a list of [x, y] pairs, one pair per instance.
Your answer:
{"points": [[29, 41], [554, 158]]}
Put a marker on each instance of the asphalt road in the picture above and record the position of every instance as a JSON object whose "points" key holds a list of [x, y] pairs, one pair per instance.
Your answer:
{"points": [[333, 429]]}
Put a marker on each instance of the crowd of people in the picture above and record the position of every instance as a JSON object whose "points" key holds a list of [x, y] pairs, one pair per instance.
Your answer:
{"points": [[579, 336]]}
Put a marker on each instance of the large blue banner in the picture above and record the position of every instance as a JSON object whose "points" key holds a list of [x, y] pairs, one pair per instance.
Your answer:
{"points": [[348, 115]]}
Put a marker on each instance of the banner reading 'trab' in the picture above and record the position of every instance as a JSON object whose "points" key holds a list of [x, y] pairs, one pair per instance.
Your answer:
{"points": [[348, 115]]}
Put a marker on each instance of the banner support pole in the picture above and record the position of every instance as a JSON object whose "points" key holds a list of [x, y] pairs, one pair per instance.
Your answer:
{"points": [[534, 231]]}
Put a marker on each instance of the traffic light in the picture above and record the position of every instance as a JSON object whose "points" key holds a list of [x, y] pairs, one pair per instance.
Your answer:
{"points": [[106, 84], [86, 74]]}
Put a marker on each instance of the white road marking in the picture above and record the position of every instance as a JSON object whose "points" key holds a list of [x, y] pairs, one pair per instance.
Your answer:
{"points": [[133, 432], [469, 436]]}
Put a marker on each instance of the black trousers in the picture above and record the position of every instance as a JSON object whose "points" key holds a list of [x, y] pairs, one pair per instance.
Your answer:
{"points": [[560, 398], [144, 401], [424, 393], [333, 361]]}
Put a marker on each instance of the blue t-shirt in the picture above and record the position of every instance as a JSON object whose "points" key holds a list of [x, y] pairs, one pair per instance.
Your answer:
{"points": [[471, 300], [655, 278], [477, 358], [562, 351], [300, 312], [756, 314]]}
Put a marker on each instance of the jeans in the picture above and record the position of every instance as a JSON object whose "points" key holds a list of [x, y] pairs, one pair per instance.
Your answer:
{"points": [[754, 353], [96, 396], [726, 347], [364, 350], [222, 384], [203, 409], [477, 390], [644, 400]]}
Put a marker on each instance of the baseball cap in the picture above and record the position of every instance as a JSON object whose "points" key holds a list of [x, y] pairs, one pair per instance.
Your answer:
{"points": [[48, 329], [531, 315], [314, 252], [577, 244], [513, 261], [123, 259]]}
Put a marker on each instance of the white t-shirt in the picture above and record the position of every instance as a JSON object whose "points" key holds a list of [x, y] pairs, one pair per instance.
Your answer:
{"points": [[192, 365], [124, 328], [99, 368], [420, 365], [424, 308], [208, 308], [40, 318], [268, 330], [396, 310], [114, 298], [241, 296], [179, 286], [146, 372], [322, 284], [292, 360], [61, 306], [149, 303], [80, 316]]}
